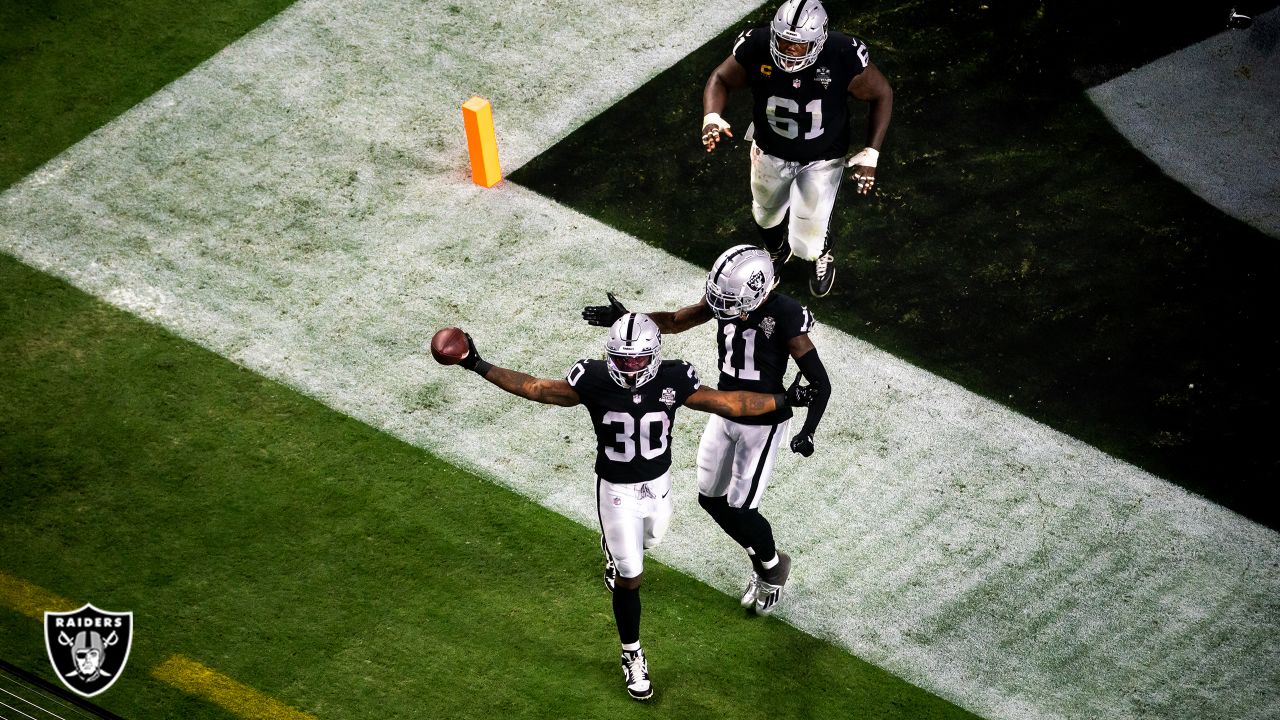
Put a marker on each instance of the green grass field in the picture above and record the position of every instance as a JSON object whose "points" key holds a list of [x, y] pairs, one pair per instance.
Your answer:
{"points": [[329, 565], [291, 548], [350, 573]]}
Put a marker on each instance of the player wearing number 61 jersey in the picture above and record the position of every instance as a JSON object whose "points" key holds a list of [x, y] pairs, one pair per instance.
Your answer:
{"points": [[632, 396], [757, 332], [801, 78]]}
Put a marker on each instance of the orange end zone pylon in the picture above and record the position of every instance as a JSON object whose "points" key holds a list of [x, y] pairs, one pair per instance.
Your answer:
{"points": [[477, 115]]}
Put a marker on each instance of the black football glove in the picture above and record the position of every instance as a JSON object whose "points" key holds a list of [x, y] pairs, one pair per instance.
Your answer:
{"points": [[473, 355], [799, 395], [802, 443], [604, 315]]}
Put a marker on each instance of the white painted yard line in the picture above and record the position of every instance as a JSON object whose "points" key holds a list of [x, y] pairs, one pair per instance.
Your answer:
{"points": [[1209, 116], [300, 204]]}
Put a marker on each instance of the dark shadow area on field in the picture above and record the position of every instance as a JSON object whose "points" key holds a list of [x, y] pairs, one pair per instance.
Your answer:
{"points": [[331, 566], [1017, 244]]}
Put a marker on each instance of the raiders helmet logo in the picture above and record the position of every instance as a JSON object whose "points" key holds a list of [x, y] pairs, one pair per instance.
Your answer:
{"points": [[88, 647], [756, 281]]}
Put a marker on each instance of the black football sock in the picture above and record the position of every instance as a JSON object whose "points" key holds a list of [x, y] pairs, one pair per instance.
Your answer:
{"points": [[775, 238], [757, 528], [626, 612], [719, 510]]}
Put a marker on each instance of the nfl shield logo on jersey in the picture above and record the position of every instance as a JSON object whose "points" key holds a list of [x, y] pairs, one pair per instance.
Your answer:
{"points": [[88, 647], [795, 83]]}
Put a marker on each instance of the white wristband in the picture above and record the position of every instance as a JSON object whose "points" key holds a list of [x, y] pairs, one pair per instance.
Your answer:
{"points": [[866, 157], [714, 119]]}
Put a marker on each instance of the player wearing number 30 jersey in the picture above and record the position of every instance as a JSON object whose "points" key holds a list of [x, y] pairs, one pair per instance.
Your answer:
{"points": [[632, 396], [757, 332], [633, 429]]}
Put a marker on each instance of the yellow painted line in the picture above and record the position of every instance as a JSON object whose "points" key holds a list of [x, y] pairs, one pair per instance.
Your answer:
{"points": [[192, 677], [31, 600]]}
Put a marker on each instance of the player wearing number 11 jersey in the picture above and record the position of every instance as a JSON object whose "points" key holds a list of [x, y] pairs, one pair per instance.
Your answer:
{"points": [[632, 396], [801, 78], [757, 333]]}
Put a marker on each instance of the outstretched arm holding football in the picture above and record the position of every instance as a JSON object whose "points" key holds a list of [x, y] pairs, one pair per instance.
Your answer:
{"points": [[543, 390]]}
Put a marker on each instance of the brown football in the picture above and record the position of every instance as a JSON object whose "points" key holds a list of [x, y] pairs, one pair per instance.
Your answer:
{"points": [[449, 345]]}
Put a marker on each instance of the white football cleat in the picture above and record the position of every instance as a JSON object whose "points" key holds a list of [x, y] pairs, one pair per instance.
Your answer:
{"points": [[748, 599], [771, 582]]}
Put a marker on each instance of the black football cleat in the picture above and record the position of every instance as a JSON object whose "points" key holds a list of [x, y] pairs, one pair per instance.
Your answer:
{"points": [[824, 274], [635, 669]]}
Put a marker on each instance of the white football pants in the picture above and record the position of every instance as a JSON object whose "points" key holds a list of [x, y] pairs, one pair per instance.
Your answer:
{"points": [[737, 460], [633, 517], [807, 189]]}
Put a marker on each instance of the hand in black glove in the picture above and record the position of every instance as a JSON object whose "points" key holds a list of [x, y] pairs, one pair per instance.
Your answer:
{"points": [[604, 315], [799, 395], [473, 355], [802, 443]]}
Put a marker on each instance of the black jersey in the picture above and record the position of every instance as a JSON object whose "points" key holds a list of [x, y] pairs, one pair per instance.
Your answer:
{"points": [[753, 351], [633, 427], [801, 116]]}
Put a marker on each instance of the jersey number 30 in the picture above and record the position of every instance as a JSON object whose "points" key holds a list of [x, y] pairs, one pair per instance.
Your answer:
{"points": [[625, 449]]}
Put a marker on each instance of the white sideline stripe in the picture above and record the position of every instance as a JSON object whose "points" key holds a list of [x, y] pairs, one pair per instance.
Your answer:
{"points": [[300, 204], [1209, 116]]}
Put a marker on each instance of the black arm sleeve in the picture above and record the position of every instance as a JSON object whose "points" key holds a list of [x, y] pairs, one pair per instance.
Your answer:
{"points": [[816, 374]]}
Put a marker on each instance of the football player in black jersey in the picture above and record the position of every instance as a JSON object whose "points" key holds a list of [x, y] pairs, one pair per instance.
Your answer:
{"points": [[801, 77], [757, 331], [632, 396]]}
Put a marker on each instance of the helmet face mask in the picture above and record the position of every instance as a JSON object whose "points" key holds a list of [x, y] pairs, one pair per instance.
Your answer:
{"points": [[633, 350], [739, 281], [799, 23]]}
